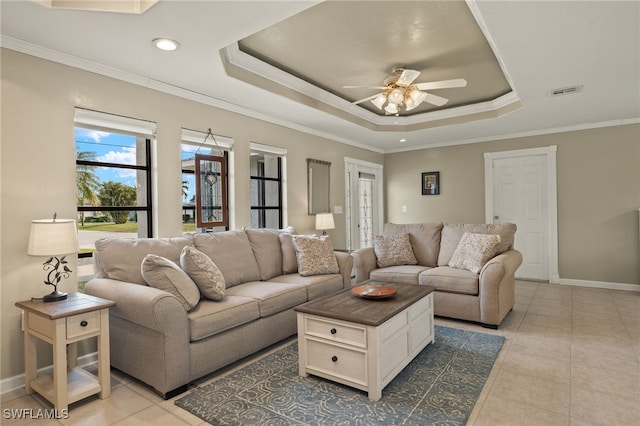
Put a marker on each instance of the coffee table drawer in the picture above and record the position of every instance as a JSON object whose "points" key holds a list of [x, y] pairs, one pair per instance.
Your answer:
{"points": [[336, 331], [337, 361], [425, 305]]}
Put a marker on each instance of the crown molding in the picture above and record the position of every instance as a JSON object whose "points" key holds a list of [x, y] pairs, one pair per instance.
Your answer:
{"points": [[577, 127], [107, 71]]}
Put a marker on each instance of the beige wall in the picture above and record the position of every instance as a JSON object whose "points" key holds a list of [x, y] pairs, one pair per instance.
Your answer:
{"points": [[38, 167], [598, 178], [598, 195]]}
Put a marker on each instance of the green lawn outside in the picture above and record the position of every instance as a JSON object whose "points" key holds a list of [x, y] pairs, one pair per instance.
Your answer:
{"points": [[108, 227], [124, 227]]}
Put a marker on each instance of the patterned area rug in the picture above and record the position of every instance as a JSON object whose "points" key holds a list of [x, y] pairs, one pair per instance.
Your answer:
{"points": [[439, 387]]}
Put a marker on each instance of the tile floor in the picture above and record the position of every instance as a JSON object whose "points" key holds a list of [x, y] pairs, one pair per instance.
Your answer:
{"points": [[571, 357]]}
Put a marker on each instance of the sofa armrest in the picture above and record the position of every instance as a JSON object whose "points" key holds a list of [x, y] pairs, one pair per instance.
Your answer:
{"points": [[364, 261], [150, 307], [149, 333], [345, 264], [497, 286]]}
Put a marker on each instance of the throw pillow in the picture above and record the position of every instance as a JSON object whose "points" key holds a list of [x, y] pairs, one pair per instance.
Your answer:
{"points": [[289, 259], [162, 273], [203, 272], [315, 255], [393, 250], [474, 250]]}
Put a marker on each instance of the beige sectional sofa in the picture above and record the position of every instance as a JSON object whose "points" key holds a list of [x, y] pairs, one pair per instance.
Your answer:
{"points": [[485, 296], [168, 341]]}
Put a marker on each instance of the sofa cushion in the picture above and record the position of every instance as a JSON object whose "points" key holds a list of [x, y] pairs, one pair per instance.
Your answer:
{"points": [[392, 250], [451, 280], [161, 273], [210, 318], [473, 251], [266, 249], [272, 297], [315, 255], [203, 272], [424, 238], [289, 259], [404, 274], [452, 233], [120, 258], [316, 285], [232, 253]]}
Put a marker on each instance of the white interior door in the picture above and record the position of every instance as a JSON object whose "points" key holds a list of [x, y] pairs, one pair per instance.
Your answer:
{"points": [[519, 190]]}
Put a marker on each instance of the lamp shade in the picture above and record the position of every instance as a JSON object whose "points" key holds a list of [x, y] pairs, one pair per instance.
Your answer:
{"points": [[396, 96], [379, 100], [391, 108], [52, 237], [325, 221]]}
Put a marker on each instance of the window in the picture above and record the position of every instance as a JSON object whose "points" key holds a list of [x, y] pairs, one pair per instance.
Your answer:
{"points": [[204, 144], [267, 167], [113, 180]]}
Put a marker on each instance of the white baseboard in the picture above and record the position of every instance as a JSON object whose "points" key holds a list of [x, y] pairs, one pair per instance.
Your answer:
{"points": [[600, 284], [16, 382]]}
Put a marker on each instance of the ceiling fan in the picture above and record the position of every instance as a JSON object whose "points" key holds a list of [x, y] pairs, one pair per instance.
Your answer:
{"points": [[399, 89]]}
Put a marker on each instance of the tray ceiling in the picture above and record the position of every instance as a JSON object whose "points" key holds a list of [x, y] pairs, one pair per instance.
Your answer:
{"points": [[286, 61]]}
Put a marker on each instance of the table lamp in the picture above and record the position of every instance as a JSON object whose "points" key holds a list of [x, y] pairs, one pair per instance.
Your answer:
{"points": [[324, 221], [54, 238]]}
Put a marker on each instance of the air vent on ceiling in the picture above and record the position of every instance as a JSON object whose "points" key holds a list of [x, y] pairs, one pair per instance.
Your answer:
{"points": [[566, 90]]}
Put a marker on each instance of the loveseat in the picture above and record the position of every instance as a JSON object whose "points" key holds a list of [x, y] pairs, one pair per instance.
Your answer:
{"points": [[167, 336], [471, 266]]}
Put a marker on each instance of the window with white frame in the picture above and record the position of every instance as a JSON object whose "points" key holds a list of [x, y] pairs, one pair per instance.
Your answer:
{"points": [[113, 180], [268, 186]]}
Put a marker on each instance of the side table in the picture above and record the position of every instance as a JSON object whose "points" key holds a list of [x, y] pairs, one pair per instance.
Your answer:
{"points": [[63, 323]]}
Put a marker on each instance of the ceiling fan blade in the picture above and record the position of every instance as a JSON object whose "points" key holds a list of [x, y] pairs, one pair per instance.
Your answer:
{"points": [[443, 84], [364, 87], [365, 99], [407, 77], [436, 100]]}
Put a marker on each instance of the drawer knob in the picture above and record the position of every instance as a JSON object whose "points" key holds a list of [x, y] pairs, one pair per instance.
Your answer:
{"points": [[334, 331], [83, 323], [334, 358]]}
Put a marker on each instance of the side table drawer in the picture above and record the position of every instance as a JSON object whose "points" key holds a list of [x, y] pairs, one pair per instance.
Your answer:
{"points": [[83, 324], [339, 362], [336, 331]]}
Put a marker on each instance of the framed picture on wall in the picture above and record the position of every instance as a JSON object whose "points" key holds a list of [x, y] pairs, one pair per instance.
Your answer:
{"points": [[430, 183]]}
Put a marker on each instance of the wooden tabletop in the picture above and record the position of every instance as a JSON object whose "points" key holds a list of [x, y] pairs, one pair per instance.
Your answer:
{"points": [[349, 307], [75, 303]]}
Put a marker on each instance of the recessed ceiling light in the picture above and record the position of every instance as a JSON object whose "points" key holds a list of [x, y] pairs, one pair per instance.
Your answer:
{"points": [[166, 44], [403, 140]]}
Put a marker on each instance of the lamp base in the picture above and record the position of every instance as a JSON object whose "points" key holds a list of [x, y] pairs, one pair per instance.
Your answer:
{"points": [[54, 296]]}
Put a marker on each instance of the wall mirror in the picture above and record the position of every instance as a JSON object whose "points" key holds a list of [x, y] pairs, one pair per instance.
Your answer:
{"points": [[318, 185], [211, 191]]}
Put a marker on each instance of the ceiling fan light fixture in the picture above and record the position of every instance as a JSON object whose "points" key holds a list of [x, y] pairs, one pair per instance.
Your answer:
{"points": [[418, 96], [391, 108], [396, 96], [409, 104], [379, 100]]}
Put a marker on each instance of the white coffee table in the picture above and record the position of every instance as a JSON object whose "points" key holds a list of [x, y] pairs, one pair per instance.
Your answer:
{"points": [[364, 343]]}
